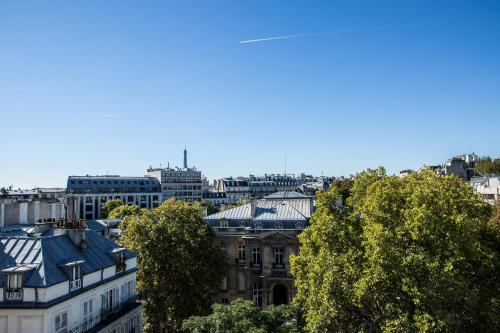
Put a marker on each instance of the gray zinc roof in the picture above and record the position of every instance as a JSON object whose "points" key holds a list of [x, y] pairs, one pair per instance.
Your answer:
{"points": [[286, 195], [46, 253]]}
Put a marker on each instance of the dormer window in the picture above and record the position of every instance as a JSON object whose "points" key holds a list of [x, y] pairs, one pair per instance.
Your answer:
{"points": [[120, 265], [75, 278], [223, 224], [14, 287]]}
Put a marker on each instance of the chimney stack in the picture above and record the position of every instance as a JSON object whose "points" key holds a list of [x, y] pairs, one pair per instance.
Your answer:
{"points": [[252, 209]]}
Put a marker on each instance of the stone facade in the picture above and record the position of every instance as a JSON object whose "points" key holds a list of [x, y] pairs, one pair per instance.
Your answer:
{"points": [[258, 239]]}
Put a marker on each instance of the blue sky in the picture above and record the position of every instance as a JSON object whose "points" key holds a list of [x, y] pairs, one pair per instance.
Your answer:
{"points": [[94, 87]]}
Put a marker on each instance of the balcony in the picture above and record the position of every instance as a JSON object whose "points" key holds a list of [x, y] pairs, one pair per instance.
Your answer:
{"points": [[14, 294], [75, 284], [107, 317]]}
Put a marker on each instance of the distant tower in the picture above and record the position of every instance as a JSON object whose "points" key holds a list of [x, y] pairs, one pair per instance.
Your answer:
{"points": [[185, 158]]}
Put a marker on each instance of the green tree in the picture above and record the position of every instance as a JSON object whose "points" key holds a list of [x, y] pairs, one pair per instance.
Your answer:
{"points": [[412, 254], [242, 316], [211, 209], [109, 206], [180, 263], [344, 185], [124, 210], [487, 166]]}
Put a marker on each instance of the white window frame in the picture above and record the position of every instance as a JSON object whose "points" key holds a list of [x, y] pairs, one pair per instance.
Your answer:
{"points": [[14, 281], [76, 278], [63, 322], [256, 254], [279, 256]]}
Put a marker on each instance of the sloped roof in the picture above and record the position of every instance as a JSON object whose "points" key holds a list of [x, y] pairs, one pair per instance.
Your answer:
{"points": [[47, 252], [282, 211], [286, 195]]}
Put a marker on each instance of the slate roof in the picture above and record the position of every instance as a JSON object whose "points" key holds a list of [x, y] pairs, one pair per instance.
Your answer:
{"points": [[272, 213], [47, 252], [286, 195]]}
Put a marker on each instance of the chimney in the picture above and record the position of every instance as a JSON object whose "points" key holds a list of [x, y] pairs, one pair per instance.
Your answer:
{"points": [[252, 209], [42, 225], [75, 230], [222, 207]]}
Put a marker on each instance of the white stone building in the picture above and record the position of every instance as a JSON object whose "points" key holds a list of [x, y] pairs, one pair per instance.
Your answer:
{"points": [[65, 278], [488, 188]]}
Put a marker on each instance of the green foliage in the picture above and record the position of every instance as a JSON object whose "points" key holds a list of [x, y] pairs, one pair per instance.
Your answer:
{"points": [[487, 166], [344, 186], [211, 209], [180, 264], [412, 254], [242, 316], [109, 206], [124, 210]]}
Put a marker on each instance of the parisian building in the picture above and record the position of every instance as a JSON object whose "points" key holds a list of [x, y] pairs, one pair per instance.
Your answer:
{"points": [[258, 239], [28, 206], [89, 193], [182, 183], [59, 277]]}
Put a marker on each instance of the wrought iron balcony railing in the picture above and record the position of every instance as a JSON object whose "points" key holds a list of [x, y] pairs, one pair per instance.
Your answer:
{"points": [[105, 317]]}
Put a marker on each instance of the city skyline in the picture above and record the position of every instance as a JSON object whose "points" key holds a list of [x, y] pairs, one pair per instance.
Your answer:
{"points": [[96, 88]]}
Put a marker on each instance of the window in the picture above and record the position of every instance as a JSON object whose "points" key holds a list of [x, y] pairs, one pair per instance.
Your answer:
{"points": [[278, 257], [241, 252], [224, 283], [61, 322], [120, 262], [127, 291], [109, 300], [14, 285], [14, 281], [257, 294], [75, 278], [223, 225], [256, 256], [88, 311], [224, 300]]}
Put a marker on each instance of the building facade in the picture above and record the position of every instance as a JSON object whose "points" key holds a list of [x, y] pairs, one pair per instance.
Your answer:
{"points": [[258, 238], [61, 277], [487, 187], [89, 193], [181, 183], [28, 206], [256, 187]]}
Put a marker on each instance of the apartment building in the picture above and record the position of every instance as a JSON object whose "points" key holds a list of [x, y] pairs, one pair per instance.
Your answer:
{"points": [[61, 277], [89, 193]]}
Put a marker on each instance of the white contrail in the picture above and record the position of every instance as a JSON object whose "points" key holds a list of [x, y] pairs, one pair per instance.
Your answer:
{"points": [[284, 37]]}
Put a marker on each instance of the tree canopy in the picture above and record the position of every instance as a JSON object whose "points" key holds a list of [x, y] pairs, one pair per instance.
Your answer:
{"points": [[487, 166], [242, 316], [109, 206], [180, 263], [411, 254], [124, 210], [211, 209]]}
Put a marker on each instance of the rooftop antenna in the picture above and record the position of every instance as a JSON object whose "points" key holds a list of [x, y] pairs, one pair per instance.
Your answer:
{"points": [[185, 158]]}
